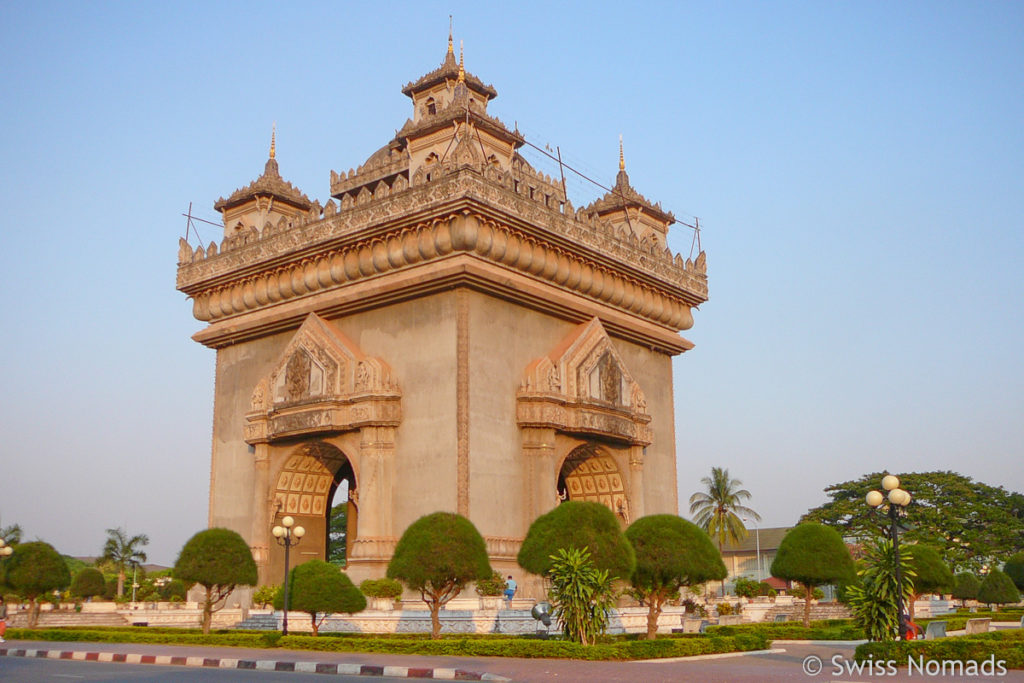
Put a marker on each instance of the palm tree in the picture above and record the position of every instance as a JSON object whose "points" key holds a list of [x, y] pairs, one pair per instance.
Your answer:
{"points": [[122, 552], [718, 510]]}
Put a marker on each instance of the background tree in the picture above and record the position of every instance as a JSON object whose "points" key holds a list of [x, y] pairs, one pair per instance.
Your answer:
{"points": [[998, 589], [319, 587], [965, 587], [11, 534], [718, 509], [873, 598], [219, 560], [122, 552], [814, 555], [33, 570], [576, 524], [174, 590], [967, 522], [438, 555], [581, 595], [1014, 568], [337, 535], [933, 575], [88, 583], [670, 553]]}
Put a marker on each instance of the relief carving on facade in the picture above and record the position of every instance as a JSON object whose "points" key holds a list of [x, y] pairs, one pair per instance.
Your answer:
{"points": [[314, 389], [585, 389]]}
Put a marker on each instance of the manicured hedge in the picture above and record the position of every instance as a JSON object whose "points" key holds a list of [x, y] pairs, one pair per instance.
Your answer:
{"points": [[1007, 645], [792, 630], [533, 648], [157, 636], [480, 645]]}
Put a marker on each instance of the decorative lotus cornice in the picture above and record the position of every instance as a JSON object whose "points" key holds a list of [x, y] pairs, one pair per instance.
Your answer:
{"points": [[269, 184]]}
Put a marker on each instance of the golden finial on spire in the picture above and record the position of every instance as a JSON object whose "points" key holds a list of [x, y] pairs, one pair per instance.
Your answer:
{"points": [[462, 69], [273, 135], [622, 157], [451, 47]]}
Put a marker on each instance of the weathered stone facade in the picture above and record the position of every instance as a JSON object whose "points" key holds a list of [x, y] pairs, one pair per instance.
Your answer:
{"points": [[446, 333]]}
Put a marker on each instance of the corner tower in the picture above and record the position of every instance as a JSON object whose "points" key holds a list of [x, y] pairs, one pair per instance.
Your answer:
{"points": [[447, 333]]}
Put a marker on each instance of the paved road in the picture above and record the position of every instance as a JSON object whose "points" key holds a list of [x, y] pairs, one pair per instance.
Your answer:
{"points": [[776, 666], [22, 670]]}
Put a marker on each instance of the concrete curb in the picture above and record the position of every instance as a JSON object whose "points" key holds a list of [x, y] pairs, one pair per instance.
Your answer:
{"points": [[720, 655], [255, 664]]}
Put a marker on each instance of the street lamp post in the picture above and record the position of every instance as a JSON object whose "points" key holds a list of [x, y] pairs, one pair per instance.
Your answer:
{"points": [[287, 535], [898, 501]]}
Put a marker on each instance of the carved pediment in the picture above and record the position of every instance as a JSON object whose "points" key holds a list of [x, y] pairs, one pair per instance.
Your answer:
{"points": [[321, 382], [583, 385]]}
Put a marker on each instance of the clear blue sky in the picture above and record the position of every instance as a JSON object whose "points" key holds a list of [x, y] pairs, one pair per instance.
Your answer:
{"points": [[858, 168]]}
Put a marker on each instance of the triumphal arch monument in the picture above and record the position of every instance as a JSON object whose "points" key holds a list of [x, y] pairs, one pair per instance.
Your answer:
{"points": [[447, 332]]}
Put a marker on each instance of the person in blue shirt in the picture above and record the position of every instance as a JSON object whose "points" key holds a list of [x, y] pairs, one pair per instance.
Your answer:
{"points": [[510, 589]]}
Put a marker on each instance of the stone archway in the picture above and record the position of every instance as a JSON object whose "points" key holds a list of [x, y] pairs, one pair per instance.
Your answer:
{"points": [[589, 473], [304, 489]]}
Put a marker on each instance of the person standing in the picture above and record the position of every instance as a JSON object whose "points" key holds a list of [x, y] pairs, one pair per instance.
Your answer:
{"points": [[3, 619], [510, 589]]}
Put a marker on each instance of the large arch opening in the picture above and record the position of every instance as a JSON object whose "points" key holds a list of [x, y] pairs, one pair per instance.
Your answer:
{"points": [[317, 486], [589, 473]]}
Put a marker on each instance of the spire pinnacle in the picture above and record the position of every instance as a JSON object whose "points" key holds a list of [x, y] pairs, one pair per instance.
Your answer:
{"points": [[451, 48], [622, 157], [273, 136], [462, 68]]}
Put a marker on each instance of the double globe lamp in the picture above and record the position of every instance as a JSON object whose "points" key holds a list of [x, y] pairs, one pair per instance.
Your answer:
{"points": [[287, 535]]}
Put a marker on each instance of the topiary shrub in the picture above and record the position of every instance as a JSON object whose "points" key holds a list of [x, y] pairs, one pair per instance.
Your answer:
{"points": [[438, 555], [1014, 568], [33, 571], [319, 587], [997, 589], [381, 588], [88, 583], [932, 573], [814, 555], [670, 553], [576, 524], [219, 560], [495, 585], [965, 587]]}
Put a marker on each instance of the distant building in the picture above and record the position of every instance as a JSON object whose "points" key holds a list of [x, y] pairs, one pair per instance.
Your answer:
{"points": [[741, 559]]}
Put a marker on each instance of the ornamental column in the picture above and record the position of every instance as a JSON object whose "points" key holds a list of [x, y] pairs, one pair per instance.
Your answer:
{"points": [[262, 498], [541, 479]]}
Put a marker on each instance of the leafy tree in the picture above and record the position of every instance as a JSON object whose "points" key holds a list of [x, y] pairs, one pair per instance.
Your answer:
{"points": [[998, 589], [933, 575], [438, 555], [268, 595], [670, 553], [1014, 568], [337, 535], [319, 587], [577, 524], [873, 599], [88, 582], [33, 570], [967, 522], [814, 555], [219, 560], [746, 588], [965, 587], [173, 590], [123, 551], [581, 595], [718, 510]]}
